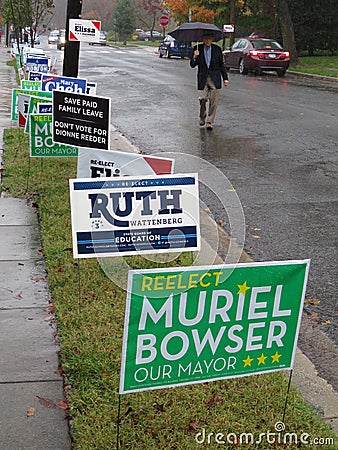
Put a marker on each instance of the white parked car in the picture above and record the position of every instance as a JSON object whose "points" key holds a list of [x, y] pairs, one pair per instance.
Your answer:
{"points": [[53, 36]]}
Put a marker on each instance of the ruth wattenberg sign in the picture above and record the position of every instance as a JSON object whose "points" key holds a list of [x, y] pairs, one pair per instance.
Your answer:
{"points": [[134, 215], [197, 324], [81, 120]]}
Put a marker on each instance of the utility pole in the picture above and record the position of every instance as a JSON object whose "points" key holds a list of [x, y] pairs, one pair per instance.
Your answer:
{"points": [[72, 49]]}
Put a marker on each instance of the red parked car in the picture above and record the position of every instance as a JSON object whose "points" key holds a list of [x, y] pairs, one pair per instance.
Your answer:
{"points": [[257, 54]]}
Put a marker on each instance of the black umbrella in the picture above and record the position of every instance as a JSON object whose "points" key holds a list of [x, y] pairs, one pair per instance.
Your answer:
{"points": [[194, 31]]}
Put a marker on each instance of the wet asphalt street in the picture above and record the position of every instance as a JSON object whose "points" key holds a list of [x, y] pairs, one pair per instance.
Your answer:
{"points": [[275, 139]]}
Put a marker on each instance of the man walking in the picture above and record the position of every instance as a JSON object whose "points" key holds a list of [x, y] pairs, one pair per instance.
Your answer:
{"points": [[211, 70]]}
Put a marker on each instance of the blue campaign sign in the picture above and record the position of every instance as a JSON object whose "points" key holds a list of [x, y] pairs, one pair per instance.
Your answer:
{"points": [[35, 76], [68, 84], [44, 108], [134, 215], [37, 64]]}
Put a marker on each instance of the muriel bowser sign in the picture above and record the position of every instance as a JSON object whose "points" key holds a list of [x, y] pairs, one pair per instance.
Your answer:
{"points": [[81, 120], [198, 324]]}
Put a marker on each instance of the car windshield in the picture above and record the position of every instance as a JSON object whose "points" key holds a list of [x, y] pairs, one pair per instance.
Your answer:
{"points": [[264, 43]]}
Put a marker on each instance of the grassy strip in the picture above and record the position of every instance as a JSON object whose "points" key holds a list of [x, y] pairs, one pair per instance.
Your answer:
{"points": [[90, 333], [318, 65]]}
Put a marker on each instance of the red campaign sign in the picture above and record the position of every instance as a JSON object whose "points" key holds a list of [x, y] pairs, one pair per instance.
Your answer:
{"points": [[164, 20]]}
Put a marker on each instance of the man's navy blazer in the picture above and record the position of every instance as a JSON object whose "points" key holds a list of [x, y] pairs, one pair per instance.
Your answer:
{"points": [[217, 69]]}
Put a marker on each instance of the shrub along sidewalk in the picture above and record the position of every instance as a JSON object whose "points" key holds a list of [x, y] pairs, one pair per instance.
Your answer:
{"points": [[90, 327]]}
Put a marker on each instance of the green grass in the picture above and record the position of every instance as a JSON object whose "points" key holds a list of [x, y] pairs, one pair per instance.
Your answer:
{"points": [[318, 65], [90, 327]]}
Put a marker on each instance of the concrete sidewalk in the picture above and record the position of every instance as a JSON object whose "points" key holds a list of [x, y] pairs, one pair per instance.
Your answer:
{"points": [[31, 389], [30, 386]]}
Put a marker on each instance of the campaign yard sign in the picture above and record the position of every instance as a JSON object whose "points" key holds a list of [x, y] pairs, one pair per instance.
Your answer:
{"points": [[197, 324], [59, 83], [84, 30], [94, 163], [23, 106], [45, 108], [91, 88], [36, 64], [35, 76], [81, 120], [15, 92], [41, 141], [31, 85], [35, 109], [134, 215]]}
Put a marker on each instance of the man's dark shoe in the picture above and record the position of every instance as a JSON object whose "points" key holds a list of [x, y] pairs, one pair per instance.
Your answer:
{"points": [[209, 126], [202, 122]]}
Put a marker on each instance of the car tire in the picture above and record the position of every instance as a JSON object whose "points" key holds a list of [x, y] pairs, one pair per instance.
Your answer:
{"points": [[281, 73], [168, 54], [160, 55], [242, 67]]}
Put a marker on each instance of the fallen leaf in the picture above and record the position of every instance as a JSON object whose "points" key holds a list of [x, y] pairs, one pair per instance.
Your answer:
{"points": [[255, 236], [213, 399], [159, 408], [37, 280], [18, 297], [312, 301], [326, 322], [61, 404], [60, 370], [48, 403], [31, 412], [192, 427], [6, 288]]}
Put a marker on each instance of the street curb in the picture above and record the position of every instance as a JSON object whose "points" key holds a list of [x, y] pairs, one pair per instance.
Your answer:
{"points": [[312, 75]]}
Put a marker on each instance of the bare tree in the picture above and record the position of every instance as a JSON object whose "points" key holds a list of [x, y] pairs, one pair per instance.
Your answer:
{"points": [[27, 14]]}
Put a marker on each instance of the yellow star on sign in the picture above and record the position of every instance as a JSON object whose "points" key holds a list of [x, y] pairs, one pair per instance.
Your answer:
{"points": [[247, 361], [261, 359], [242, 288], [275, 357]]}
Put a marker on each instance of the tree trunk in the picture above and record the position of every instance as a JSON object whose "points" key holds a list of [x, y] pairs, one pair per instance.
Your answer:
{"points": [[286, 24]]}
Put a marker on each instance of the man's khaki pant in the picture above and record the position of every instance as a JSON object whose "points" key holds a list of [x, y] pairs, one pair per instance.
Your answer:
{"points": [[212, 94]]}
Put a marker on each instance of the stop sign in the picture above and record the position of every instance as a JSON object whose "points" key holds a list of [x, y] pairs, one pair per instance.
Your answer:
{"points": [[164, 20]]}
